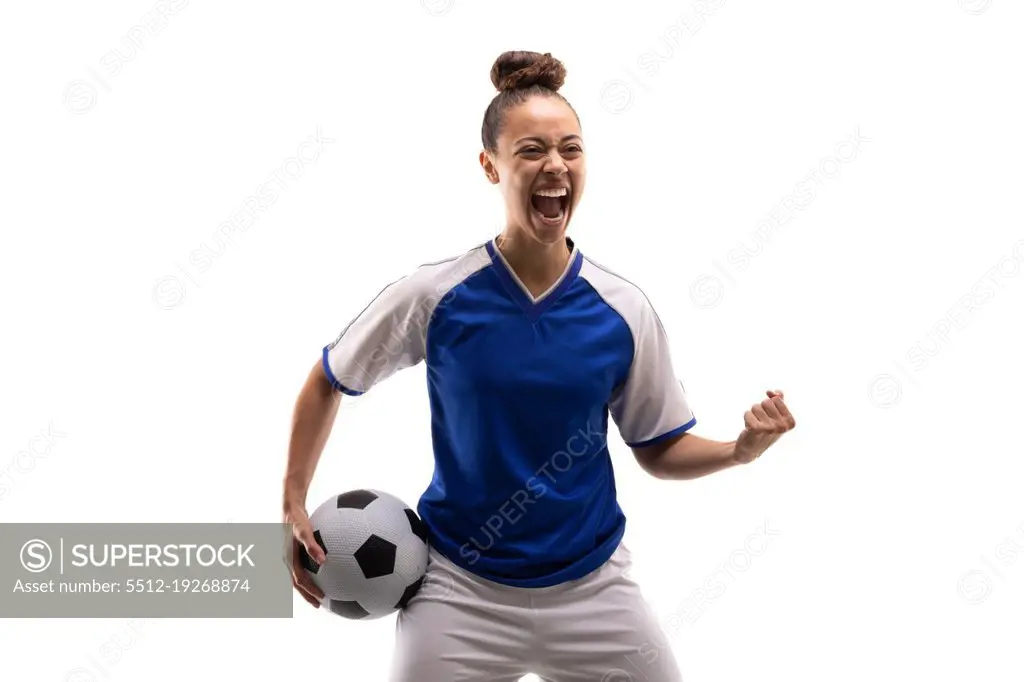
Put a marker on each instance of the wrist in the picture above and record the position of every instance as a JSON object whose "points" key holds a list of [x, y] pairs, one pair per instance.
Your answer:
{"points": [[294, 500], [734, 454]]}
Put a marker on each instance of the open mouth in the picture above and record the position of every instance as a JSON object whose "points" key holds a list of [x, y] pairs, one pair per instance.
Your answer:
{"points": [[550, 205]]}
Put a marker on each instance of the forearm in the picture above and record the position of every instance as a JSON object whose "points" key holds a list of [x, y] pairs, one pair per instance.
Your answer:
{"points": [[688, 457], [312, 420]]}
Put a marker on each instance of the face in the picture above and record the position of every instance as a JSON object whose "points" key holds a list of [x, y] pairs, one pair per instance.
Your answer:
{"points": [[539, 167]]}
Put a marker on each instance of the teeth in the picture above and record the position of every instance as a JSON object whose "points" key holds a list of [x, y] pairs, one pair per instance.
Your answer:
{"points": [[560, 192]]}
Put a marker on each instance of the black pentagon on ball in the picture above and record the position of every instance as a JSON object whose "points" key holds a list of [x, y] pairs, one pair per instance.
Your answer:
{"points": [[409, 593], [348, 609], [305, 559], [376, 557], [419, 528], [355, 499]]}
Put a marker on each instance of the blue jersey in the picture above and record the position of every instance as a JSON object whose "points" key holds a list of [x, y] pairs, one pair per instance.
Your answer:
{"points": [[520, 390]]}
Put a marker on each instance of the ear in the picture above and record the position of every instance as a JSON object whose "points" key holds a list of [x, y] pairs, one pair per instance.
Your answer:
{"points": [[489, 169]]}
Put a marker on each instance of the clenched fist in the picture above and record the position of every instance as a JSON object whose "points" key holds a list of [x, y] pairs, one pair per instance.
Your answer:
{"points": [[765, 424]]}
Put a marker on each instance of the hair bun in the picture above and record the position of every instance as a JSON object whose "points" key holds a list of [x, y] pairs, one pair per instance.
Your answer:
{"points": [[518, 69]]}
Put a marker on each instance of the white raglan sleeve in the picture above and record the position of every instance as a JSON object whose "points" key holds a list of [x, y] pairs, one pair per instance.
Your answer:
{"points": [[651, 405], [387, 336]]}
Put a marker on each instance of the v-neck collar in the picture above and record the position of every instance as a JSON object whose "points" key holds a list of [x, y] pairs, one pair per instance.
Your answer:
{"points": [[535, 307]]}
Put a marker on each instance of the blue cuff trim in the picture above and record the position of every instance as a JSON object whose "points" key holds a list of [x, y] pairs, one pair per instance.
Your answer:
{"points": [[333, 379], [665, 436]]}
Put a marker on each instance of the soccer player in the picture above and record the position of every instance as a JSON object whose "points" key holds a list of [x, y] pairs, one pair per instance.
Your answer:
{"points": [[529, 347]]}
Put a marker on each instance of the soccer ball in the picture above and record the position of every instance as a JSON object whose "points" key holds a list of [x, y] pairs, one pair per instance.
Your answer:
{"points": [[376, 549]]}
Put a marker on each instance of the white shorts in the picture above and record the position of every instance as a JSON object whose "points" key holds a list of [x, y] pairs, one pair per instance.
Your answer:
{"points": [[462, 628]]}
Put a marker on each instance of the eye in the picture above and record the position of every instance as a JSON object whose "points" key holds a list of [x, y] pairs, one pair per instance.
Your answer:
{"points": [[574, 148]]}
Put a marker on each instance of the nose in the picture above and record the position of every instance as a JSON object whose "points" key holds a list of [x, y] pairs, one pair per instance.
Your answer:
{"points": [[555, 165]]}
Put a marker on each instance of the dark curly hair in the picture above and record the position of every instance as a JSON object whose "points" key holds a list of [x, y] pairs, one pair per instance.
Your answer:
{"points": [[519, 76]]}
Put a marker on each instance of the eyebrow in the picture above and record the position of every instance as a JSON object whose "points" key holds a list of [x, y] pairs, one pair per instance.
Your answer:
{"points": [[537, 139]]}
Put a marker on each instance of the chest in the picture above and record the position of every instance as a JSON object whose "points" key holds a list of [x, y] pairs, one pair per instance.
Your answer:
{"points": [[577, 351]]}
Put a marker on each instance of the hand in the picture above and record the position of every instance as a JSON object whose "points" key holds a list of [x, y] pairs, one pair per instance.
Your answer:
{"points": [[302, 537], [765, 424]]}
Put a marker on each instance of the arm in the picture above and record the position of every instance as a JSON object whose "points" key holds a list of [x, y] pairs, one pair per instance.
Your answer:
{"points": [[312, 420], [384, 338], [686, 457], [363, 354]]}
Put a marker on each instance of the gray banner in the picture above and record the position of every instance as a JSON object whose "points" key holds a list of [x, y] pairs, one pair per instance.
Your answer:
{"points": [[160, 570]]}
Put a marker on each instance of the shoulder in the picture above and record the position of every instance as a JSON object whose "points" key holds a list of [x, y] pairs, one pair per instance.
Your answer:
{"points": [[431, 281], [619, 293]]}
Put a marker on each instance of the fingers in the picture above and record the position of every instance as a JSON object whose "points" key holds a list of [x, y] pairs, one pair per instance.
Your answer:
{"points": [[760, 421], [767, 418], [750, 421], [775, 412], [310, 599], [304, 534], [777, 424], [302, 582], [765, 423], [784, 413], [304, 543]]}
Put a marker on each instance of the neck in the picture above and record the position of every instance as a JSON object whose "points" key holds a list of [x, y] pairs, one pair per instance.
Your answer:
{"points": [[537, 264]]}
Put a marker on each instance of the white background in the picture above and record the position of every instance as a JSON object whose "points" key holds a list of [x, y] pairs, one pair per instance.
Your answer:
{"points": [[894, 506]]}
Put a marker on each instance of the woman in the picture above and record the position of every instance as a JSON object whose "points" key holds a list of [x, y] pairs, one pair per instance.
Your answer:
{"points": [[529, 347]]}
